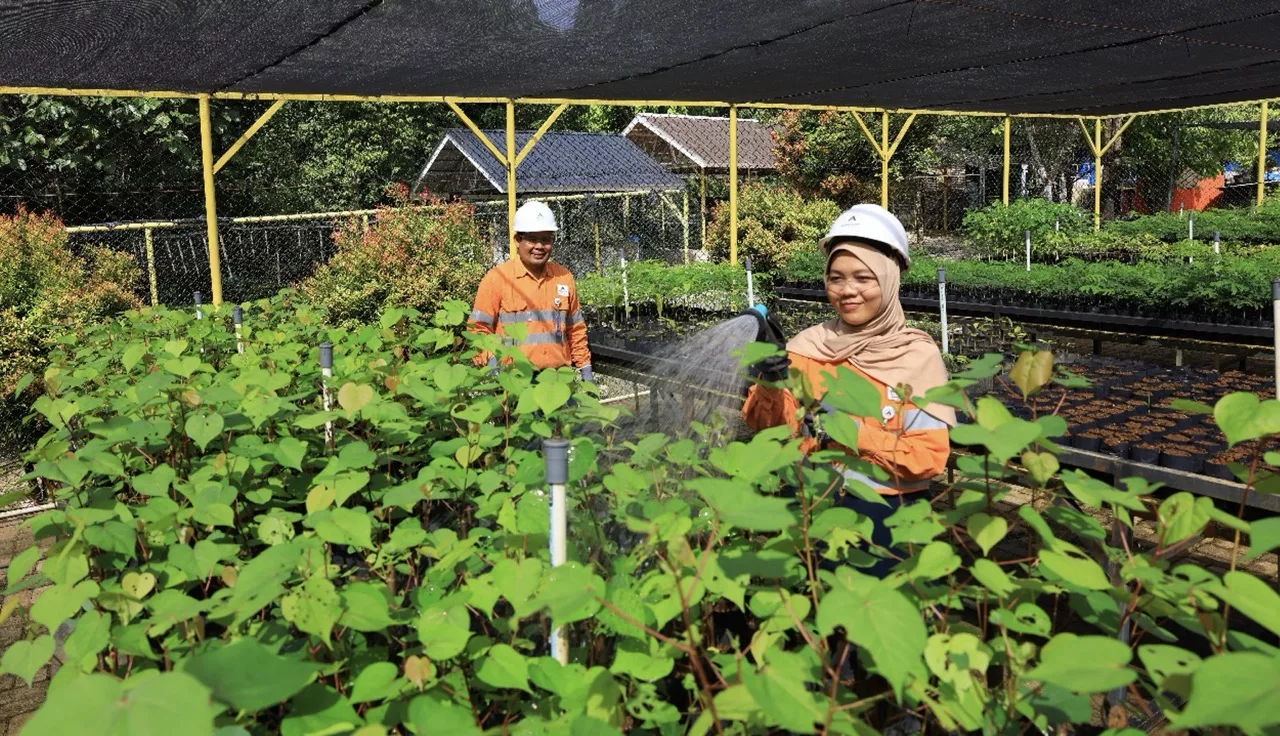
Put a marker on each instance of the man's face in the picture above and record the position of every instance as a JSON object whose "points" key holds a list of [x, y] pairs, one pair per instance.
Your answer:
{"points": [[535, 248]]}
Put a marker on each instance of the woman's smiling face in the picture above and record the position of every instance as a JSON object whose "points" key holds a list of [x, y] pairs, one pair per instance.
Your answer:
{"points": [[853, 289]]}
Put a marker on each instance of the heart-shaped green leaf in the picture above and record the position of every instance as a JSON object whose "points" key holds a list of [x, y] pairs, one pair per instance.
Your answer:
{"points": [[290, 451], [24, 658], [1041, 465], [182, 366], [1242, 417], [504, 667], [354, 396], [449, 376], [175, 347], [203, 428], [155, 482], [987, 531], [138, 585], [551, 396]]}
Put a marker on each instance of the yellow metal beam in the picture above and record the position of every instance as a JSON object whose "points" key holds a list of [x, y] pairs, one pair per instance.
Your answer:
{"points": [[502, 159], [620, 103], [510, 163], [1123, 126], [1004, 175], [244, 138], [306, 97], [1088, 137], [210, 202], [884, 160], [546, 125], [1262, 152], [71, 92], [151, 267], [702, 186], [902, 132], [1097, 174], [733, 185], [867, 132]]}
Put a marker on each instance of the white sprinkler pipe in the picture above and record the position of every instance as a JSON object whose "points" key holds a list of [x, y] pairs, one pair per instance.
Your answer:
{"points": [[237, 319], [751, 288], [1275, 315], [942, 307], [1191, 225], [556, 454], [1217, 242], [626, 296], [326, 370], [196, 297], [1027, 239]]}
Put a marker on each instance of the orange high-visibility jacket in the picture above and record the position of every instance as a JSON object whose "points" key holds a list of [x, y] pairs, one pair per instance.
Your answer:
{"points": [[548, 307], [909, 443]]}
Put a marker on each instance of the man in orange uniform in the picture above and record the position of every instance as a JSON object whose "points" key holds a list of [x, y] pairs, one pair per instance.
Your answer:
{"points": [[534, 292]]}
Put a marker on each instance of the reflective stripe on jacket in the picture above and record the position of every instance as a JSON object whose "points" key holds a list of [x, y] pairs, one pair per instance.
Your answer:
{"points": [[548, 308], [909, 443]]}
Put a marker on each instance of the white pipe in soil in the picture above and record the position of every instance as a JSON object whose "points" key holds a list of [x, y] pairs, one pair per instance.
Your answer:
{"points": [[326, 371], [624, 397], [751, 290], [556, 456], [1191, 225], [1275, 316], [1217, 237], [1028, 243], [237, 319], [626, 296], [942, 307]]}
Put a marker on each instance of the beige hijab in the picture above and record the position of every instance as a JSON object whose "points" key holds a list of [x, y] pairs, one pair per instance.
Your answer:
{"points": [[884, 348]]}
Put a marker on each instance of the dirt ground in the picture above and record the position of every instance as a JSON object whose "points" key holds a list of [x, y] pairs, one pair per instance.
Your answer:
{"points": [[18, 701]]}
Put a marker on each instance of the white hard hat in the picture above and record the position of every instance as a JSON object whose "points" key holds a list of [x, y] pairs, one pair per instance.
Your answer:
{"points": [[535, 217], [871, 223]]}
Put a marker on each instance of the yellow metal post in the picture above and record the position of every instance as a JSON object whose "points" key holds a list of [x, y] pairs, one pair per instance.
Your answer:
{"points": [[151, 266], [686, 224], [733, 185], [702, 182], [210, 202], [1005, 176], [511, 176], [884, 159], [1097, 174], [1262, 153]]}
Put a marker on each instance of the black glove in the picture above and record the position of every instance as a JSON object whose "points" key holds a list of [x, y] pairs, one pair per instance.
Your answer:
{"points": [[767, 328], [772, 369]]}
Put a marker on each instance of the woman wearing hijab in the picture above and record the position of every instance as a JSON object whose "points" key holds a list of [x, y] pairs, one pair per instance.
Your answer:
{"points": [[866, 251]]}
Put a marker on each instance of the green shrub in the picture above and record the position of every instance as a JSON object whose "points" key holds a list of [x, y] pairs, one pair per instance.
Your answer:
{"points": [[708, 286], [46, 291], [773, 222], [413, 254], [1251, 225], [999, 231], [233, 557]]}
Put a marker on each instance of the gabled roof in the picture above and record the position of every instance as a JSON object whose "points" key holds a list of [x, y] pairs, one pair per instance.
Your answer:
{"points": [[559, 162], [682, 142]]}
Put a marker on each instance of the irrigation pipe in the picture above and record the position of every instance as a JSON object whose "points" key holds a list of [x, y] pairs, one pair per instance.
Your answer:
{"points": [[556, 455]]}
